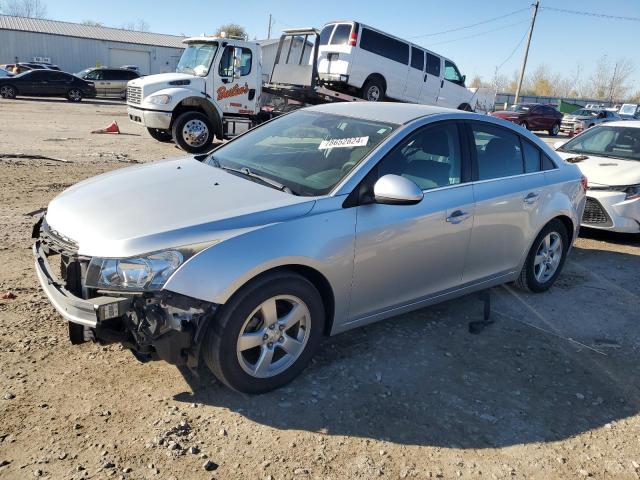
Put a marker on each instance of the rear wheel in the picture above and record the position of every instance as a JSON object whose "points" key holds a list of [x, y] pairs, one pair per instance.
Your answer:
{"points": [[373, 90], [266, 334], [160, 135], [555, 129], [74, 95], [193, 132], [8, 91], [545, 259], [524, 125]]}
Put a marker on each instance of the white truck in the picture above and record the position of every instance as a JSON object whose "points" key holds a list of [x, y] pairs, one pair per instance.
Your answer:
{"points": [[218, 91]]}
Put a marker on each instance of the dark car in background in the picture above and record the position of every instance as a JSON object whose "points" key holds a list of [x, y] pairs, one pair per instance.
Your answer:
{"points": [[46, 83], [109, 82], [533, 116]]}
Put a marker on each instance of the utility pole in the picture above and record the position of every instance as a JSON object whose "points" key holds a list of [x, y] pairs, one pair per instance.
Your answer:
{"points": [[269, 31], [526, 51]]}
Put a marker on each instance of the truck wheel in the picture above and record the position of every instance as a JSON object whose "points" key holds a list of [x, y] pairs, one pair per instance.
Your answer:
{"points": [[266, 334], [373, 90], [193, 132], [160, 135]]}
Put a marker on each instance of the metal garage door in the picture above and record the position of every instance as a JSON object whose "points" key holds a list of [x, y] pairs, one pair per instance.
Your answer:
{"points": [[119, 57]]}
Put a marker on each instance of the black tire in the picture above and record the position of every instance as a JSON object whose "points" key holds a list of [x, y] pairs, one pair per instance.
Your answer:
{"points": [[74, 95], [190, 143], [160, 135], [220, 342], [527, 279], [8, 91], [554, 130], [465, 107], [373, 90], [524, 125]]}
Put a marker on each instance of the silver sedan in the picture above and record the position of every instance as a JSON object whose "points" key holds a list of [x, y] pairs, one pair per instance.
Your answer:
{"points": [[322, 220]]}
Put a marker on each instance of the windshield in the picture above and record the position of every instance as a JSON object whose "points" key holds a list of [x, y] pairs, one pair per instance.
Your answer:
{"points": [[518, 108], [584, 112], [607, 141], [82, 73], [308, 152], [628, 109], [196, 58]]}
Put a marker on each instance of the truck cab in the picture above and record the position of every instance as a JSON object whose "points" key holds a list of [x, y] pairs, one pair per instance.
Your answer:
{"points": [[214, 93]]}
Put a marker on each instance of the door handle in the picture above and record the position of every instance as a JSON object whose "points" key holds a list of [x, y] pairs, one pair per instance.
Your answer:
{"points": [[441, 83], [457, 217], [531, 198], [425, 78]]}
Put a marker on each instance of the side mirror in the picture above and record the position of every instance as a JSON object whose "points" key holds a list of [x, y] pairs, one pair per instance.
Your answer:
{"points": [[237, 63], [463, 79], [396, 190], [558, 144]]}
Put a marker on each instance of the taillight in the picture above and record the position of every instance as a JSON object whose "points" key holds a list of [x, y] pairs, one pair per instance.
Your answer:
{"points": [[353, 39], [584, 182]]}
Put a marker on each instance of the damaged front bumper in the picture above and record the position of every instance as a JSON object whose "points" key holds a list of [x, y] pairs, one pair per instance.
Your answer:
{"points": [[153, 325]]}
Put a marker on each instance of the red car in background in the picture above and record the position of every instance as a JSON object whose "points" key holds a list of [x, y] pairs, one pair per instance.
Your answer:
{"points": [[533, 116]]}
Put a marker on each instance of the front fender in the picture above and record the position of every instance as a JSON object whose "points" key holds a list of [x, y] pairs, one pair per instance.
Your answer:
{"points": [[178, 94], [322, 240]]}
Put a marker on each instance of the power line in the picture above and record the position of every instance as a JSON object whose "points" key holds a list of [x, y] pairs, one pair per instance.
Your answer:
{"points": [[470, 26], [479, 34], [591, 14], [524, 35]]}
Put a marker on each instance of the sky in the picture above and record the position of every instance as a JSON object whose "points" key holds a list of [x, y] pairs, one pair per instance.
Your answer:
{"points": [[560, 40]]}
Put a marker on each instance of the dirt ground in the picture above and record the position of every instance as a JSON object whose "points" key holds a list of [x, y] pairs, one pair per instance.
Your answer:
{"points": [[550, 390]]}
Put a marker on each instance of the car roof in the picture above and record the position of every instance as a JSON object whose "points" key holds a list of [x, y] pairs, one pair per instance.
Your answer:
{"points": [[390, 112]]}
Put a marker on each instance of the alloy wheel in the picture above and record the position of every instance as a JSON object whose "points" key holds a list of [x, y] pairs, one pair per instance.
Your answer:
{"points": [[7, 91], [373, 93], [548, 257], [75, 95]]}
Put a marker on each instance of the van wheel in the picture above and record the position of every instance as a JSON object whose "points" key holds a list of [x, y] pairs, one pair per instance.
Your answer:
{"points": [[192, 132], [373, 90], [266, 334], [160, 135], [545, 259]]}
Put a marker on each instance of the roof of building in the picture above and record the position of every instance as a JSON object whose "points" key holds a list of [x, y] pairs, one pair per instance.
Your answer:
{"points": [[55, 27]]}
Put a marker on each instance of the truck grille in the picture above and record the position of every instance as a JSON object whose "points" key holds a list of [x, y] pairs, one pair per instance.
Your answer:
{"points": [[134, 95], [595, 214]]}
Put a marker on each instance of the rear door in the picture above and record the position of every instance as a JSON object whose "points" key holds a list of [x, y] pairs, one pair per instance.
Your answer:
{"points": [[336, 53], [431, 80], [503, 204], [59, 82], [415, 76], [116, 82]]}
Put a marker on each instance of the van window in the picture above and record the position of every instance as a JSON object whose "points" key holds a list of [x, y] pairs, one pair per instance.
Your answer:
{"points": [[325, 34], [417, 59], [341, 34], [385, 46], [433, 65], [451, 73]]}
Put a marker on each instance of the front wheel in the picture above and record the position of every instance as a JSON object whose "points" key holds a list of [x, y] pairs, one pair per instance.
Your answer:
{"points": [[524, 125], [555, 129], [266, 334], [74, 95], [193, 132], [8, 92], [545, 259], [160, 135]]}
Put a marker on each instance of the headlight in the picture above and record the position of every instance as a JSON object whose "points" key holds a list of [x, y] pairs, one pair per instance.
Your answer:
{"points": [[160, 99], [632, 192], [149, 272]]}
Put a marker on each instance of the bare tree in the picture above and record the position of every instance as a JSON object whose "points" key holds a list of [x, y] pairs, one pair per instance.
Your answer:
{"points": [[618, 85], [476, 82], [25, 8], [92, 23], [232, 30], [139, 26]]}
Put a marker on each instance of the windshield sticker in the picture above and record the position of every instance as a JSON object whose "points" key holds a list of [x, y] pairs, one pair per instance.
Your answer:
{"points": [[343, 143]]}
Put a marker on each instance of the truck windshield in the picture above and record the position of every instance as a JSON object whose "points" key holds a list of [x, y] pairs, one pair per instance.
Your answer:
{"points": [[308, 152], [196, 58]]}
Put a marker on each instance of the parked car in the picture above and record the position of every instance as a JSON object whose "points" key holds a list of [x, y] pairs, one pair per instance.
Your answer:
{"points": [[609, 155], [354, 56], [109, 82], [322, 220], [135, 68], [5, 74], [584, 118], [629, 111], [533, 116], [46, 83]]}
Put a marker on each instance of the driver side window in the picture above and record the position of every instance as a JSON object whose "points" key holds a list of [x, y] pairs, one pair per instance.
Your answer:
{"points": [[95, 75], [430, 157], [226, 62], [451, 73]]}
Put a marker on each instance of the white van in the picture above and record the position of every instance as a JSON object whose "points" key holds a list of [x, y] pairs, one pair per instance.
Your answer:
{"points": [[357, 58]]}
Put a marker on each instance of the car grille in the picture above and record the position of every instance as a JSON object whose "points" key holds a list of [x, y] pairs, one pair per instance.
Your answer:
{"points": [[134, 95], [595, 214], [57, 242]]}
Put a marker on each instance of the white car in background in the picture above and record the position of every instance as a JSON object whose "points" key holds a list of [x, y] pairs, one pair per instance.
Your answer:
{"points": [[609, 156]]}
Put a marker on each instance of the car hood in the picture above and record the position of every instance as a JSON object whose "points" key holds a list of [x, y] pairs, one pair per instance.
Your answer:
{"points": [[606, 170], [573, 118], [166, 204]]}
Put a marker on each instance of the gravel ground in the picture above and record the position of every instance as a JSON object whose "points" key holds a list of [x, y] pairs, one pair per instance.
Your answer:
{"points": [[550, 390]]}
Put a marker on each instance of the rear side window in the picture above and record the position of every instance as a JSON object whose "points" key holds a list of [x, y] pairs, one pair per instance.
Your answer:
{"points": [[59, 77], [131, 75], [385, 46], [417, 59], [498, 152], [547, 163], [325, 34], [341, 34], [532, 157], [433, 65], [115, 75]]}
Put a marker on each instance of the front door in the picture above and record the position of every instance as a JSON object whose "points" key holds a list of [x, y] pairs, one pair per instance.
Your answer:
{"points": [[452, 91], [97, 77], [405, 253], [236, 96]]}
